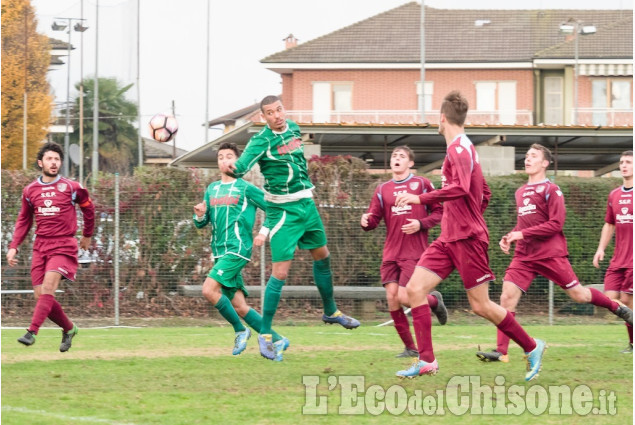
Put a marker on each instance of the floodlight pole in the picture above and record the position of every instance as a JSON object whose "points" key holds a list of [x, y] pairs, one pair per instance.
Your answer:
{"points": [[575, 74], [95, 157], [422, 95]]}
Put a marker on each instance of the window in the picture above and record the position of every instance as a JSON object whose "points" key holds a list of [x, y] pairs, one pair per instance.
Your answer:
{"points": [[553, 100], [331, 97], [427, 96], [496, 101], [609, 94]]}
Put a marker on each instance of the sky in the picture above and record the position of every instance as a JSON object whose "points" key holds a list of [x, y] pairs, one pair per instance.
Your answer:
{"points": [[173, 47]]}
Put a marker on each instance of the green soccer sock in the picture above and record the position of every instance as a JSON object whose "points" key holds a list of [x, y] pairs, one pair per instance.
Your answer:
{"points": [[272, 298], [254, 320], [225, 308], [324, 282]]}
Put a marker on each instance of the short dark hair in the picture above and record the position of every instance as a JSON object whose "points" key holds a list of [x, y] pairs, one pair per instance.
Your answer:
{"points": [[268, 100], [546, 153], [626, 153], [230, 146], [406, 149], [455, 107], [50, 146]]}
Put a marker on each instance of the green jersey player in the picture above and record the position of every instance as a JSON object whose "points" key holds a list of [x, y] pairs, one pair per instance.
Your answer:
{"points": [[230, 207], [292, 216]]}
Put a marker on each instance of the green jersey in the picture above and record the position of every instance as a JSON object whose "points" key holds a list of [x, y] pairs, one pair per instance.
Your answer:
{"points": [[231, 210], [282, 163]]}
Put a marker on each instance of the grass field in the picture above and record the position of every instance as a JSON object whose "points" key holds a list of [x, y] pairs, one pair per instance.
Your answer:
{"points": [[188, 376]]}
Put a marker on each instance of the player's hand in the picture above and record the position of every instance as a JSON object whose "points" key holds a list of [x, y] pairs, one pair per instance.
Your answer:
{"points": [[11, 257], [514, 236], [200, 209], [413, 226], [230, 168], [597, 258], [259, 240], [404, 199], [84, 242], [505, 245], [364, 220]]}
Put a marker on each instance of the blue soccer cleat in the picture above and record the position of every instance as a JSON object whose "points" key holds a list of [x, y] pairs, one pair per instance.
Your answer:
{"points": [[240, 343], [286, 342], [341, 319], [279, 347], [534, 360], [265, 343], [418, 368]]}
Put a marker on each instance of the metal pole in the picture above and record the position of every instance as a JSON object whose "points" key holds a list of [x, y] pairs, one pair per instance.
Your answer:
{"points": [[262, 267], [575, 75], [95, 158], [174, 139], [423, 63], [81, 97], [207, 79], [139, 140], [24, 102], [116, 259], [550, 303], [68, 101]]}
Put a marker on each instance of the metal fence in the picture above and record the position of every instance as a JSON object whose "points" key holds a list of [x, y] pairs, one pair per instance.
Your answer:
{"points": [[146, 252]]}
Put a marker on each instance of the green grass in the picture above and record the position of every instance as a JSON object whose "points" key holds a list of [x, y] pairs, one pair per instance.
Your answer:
{"points": [[188, 376]]}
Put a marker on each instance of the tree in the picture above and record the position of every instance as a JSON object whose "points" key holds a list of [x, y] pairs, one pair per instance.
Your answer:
{"points": [[25, 62], [118, 145]]}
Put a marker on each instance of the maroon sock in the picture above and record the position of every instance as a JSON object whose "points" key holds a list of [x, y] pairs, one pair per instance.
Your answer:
{"points": [[403, 328], [423, 332], [502, 340], [41, 312], [60, 318], [601, 300], [432, 301], [510, 327], [629, 328]]}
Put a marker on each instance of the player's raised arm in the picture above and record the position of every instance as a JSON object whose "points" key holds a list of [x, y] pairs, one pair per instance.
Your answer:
{"points": [[254, 150], [255, 196]]}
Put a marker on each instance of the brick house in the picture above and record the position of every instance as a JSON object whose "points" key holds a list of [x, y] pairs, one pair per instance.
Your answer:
{"points": [[516, 67]]}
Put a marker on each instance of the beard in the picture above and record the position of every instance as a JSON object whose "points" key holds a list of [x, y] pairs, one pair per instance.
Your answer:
{"points": [[49, 173]]}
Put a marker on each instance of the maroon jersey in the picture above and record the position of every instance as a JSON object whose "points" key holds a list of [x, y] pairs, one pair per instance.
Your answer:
{"points": [[53, 205], [619, 212], [464, 194], [540, 217], [398, 245]]}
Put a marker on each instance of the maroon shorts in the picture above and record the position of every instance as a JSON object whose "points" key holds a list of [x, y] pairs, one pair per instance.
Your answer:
{"points": [[398, 271], [558, 270], [468, 256], [619, 280], [54, 255]]}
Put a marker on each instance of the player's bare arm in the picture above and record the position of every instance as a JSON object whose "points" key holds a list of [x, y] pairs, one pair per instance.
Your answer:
{"points": [[605, 237]]}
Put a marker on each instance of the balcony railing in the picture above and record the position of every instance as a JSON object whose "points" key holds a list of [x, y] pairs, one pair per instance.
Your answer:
{"points": [[606, 117], [519, 117]]}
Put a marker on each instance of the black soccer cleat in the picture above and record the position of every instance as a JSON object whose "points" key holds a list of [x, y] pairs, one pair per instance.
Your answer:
{"points": [[623, 312], [440, 311], [28, 338], [67, 338], [492, 356], [408, 352]]}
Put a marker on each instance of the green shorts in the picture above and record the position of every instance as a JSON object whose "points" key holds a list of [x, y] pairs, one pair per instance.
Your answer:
{"points": [[294, 224], [227, 271]]}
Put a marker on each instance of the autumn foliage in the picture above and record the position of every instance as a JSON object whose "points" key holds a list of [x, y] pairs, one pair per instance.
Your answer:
{"points": [[23, 64]]}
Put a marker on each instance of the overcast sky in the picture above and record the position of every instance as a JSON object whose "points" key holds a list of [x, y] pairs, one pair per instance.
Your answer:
{"points": [[242, 32]]}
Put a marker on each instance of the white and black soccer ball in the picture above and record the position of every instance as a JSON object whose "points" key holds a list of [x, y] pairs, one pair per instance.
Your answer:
{"points": [[163, 127]]}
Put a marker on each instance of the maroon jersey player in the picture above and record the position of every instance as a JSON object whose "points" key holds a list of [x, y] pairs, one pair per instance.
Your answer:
{"points": [[51, 199], [406, 238], [541, 248], [462, 245], [618, 280]]}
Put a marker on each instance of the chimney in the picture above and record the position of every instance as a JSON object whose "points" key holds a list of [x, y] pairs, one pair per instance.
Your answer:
{"points": [[290, 41]]}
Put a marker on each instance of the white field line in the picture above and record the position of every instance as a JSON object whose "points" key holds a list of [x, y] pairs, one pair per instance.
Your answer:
{"points": [[88, 419]]}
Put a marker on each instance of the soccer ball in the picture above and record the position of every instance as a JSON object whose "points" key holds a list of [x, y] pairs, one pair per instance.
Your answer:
{"points": [[163, 127]]}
